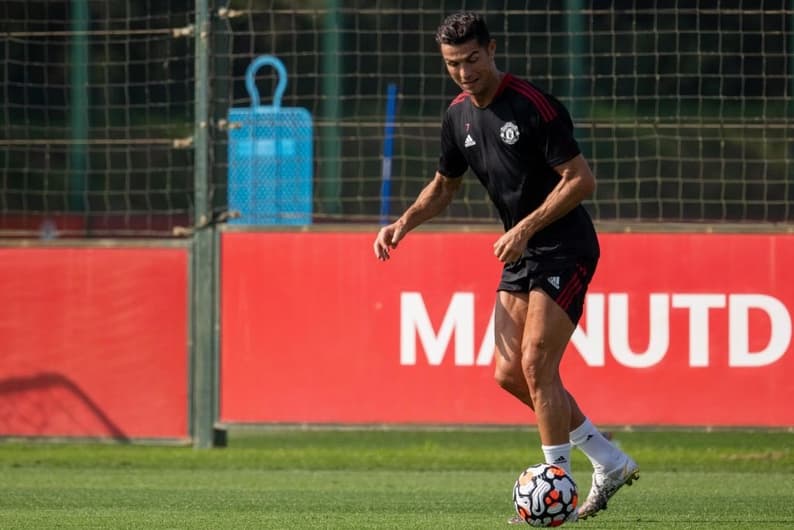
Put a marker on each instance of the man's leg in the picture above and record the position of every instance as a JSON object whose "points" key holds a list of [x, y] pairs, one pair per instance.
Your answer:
{"points": [[510, 322], [526, 316], [547, 330], [510, 316], [531, 333]]}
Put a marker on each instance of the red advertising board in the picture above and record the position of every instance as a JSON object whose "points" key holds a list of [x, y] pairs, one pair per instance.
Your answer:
{"points": [[679, 329], [94, 342]]}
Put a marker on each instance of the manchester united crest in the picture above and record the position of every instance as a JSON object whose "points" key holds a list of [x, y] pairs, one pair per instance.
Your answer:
{"points": [[509, 133]]}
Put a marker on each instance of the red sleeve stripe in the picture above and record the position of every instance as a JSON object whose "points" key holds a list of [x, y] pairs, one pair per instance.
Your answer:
{"points": [[547, 112]]}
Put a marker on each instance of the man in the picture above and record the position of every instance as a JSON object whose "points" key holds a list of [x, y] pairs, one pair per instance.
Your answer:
{"points": [[519, 143]]}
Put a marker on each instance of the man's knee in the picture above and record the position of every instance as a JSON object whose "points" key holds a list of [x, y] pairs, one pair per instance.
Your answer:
{"points": [[506, 379], [536, 376], [513, 382], [540, 366]]}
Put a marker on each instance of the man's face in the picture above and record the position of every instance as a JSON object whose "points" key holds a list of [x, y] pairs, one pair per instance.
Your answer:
{"points": [[471, 66]]}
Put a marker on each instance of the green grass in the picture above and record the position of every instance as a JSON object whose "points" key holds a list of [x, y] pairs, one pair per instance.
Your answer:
{"points": [[290, 479]]}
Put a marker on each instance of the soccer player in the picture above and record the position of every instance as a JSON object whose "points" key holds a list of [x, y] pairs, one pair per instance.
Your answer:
{"points": [[519, 143]]}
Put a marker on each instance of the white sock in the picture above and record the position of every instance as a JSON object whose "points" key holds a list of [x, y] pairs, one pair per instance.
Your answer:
{"points": [[603, 454], [559, 455]]}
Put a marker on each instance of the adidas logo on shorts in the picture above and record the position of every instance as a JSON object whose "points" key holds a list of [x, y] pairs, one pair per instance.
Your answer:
{"points": [[554, 281]]}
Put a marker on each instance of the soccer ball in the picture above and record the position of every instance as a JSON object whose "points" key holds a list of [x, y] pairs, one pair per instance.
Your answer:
{"points": [[545, 495]]}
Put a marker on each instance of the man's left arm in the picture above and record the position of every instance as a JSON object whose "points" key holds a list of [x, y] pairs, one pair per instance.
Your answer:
{"points": [[576, 184]]}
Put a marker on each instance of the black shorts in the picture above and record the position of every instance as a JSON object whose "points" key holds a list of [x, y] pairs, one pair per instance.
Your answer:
{"points": [[564, 280]]}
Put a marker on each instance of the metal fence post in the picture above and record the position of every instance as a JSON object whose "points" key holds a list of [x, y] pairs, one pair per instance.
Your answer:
{"points": [[203, 370], [330, 185]]}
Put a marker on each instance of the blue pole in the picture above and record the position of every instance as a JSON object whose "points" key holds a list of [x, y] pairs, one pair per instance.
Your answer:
{"points": [[388, 152]]}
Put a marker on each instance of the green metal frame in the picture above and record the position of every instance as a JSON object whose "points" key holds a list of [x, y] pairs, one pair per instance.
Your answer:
{"points": [[79, 111], [204, 369], [330, 184]]}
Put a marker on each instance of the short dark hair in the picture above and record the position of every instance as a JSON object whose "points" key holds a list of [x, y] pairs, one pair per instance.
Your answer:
{"points": [[462, 27]]}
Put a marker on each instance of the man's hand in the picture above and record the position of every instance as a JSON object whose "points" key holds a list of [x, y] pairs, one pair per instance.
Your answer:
{"points": [[511, 245], [431, 201], [387, 238]]}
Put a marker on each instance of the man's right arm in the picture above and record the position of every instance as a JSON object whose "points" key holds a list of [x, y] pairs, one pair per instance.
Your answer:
{"points": [[432, 200]]}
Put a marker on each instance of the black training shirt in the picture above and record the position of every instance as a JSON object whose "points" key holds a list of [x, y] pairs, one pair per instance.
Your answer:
{"points": [[512, 146]]}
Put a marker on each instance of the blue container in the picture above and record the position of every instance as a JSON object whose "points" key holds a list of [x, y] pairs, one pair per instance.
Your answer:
{"points": [[270, 157]]}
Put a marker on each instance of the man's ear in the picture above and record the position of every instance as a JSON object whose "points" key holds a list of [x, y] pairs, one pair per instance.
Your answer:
{"points": [[492, 48]]}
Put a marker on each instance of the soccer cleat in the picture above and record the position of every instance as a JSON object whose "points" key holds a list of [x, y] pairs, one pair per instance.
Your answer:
{"points": [[605, 485]]}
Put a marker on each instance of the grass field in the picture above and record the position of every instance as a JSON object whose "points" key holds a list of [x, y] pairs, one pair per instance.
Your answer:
{"points": [[290, 479]]}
